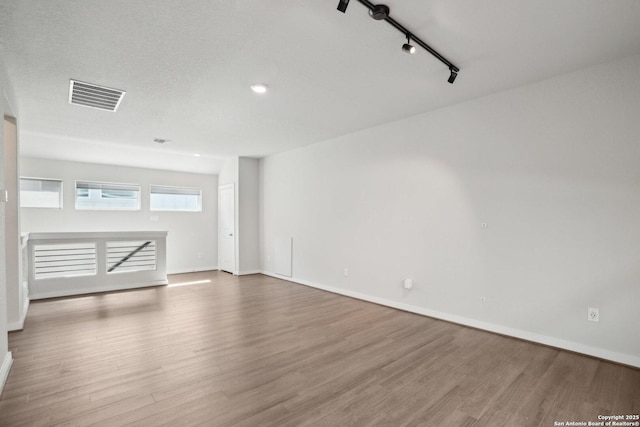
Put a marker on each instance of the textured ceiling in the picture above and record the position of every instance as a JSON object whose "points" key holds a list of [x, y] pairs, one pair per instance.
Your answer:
{"points": [[187, 66]]}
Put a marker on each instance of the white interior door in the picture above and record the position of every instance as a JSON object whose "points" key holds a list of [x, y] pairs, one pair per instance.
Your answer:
{"points": [[226, 228]]}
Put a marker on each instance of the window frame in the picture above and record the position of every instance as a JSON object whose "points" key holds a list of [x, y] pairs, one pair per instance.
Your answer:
{"points": [[32, 178], [170, 187], [123, 185]]}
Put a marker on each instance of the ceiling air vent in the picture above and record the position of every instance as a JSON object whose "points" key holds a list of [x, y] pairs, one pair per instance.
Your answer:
{"points": [[94, 96]]}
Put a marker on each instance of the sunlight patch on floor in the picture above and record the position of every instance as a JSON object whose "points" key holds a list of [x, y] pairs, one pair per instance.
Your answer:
{"points": [[195, 282]]}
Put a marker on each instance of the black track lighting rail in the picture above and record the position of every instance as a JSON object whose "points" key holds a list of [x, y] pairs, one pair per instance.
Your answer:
{"points": [[342, 6]]}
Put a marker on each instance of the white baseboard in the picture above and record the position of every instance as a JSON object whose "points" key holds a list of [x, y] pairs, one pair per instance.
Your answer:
{"points": [[19, 325], [4, 370], [15, 326], [25, 307], [247, 272], [96, 289], [194, 270], [601, 353]]}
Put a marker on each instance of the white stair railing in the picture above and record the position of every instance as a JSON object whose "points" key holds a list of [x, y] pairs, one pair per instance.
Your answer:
{"points": [[73, 263]]}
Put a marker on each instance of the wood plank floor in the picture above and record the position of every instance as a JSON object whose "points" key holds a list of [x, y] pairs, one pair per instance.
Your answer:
{"points": [[257, 351]]}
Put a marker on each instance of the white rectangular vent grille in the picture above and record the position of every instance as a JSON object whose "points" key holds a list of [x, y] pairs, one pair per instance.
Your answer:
{"points": [[94, 96], [64, 260], [131, 256]]}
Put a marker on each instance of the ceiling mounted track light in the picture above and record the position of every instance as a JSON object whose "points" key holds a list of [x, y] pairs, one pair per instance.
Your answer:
{"points": [[408, 47], [452, 76], [380, 12], [342, 6]]}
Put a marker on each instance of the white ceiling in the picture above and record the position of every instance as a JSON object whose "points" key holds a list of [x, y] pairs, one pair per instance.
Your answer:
{"points": [[187, 66]]}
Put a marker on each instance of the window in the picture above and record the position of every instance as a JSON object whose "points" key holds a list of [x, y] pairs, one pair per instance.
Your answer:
{"points": [[103, 195], [40, 193], [175, 199]]}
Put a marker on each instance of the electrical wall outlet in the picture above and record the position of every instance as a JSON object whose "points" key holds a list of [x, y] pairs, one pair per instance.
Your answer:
{"points": [[593, 314], [346, 272], [408, 283]]}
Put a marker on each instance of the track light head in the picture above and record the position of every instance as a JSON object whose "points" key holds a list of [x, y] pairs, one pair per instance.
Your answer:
{"points": [[452, 76], [407, 47], [342, 5]]}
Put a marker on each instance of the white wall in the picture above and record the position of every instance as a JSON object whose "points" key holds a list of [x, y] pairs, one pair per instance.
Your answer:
{"points": [[193, 236], [249, 215], [244, 173], [17, 301], [229, 172], [7, 107], [551, 168]]}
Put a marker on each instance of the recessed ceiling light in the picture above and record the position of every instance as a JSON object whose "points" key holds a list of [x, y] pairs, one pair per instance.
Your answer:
{"points": [[259, 88], [196, 154]]}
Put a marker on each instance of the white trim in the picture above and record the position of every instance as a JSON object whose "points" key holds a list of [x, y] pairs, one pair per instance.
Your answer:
{"points": [[94, 235], [248, 272], [96, 289], [25, 308], [4, 370], [19, 325], [560, 343], [194, 270], [27, 301], [15, 326]]}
